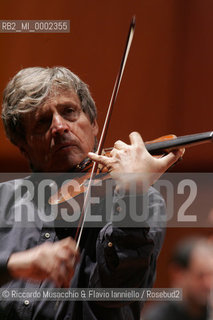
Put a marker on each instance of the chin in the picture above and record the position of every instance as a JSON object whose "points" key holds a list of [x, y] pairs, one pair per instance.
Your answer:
{"points": [[74, 160], [66, 166]]}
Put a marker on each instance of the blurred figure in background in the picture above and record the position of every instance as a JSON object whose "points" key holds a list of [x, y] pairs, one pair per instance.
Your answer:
{"points": [[191, 269]]}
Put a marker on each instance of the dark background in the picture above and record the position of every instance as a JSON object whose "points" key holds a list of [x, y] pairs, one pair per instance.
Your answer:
{"points": [[167, 84]]}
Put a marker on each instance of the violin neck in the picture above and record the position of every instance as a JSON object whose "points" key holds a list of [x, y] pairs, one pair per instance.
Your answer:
{"points": [[158, 148]]}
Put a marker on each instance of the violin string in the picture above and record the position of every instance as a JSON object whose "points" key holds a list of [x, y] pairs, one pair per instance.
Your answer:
{"points": [[105, 128]]}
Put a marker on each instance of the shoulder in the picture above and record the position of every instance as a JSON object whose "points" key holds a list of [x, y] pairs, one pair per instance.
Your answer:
{"points": [[10, 185], [9, 191]]}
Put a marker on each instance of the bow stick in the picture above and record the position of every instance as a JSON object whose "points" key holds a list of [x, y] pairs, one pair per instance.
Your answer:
{"points": [[105, 128]]}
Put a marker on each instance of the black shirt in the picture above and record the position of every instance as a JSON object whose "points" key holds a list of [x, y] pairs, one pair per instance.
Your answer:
{"points": [[130, 262]]}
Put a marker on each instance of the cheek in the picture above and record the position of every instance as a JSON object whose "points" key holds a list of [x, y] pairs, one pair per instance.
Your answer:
{"points": [[90, 140], [85, 134], [36, 148], [36, 140]]}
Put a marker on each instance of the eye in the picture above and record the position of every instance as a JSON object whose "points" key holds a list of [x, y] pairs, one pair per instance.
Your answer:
{"points": [[42, 124], [45, 121], [69, 110], [70, 113], [42, 121]]}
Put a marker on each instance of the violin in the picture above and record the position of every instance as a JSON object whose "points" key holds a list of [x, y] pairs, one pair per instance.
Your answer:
{"points": [[157, 147]]}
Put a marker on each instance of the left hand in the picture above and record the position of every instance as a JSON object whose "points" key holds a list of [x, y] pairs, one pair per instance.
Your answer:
{"points": [[132, 163]]}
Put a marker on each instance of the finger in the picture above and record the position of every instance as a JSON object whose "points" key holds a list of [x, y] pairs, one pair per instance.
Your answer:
{"points": [[64, 269], [98, 158], [68, 242], [136, 139], [171, 158], [113, 152], [67, 251], [70, 269], [69, 275], [59, 275], [120, 145]]}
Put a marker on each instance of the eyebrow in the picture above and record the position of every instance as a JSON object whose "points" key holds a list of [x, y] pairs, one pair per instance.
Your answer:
{"points": [[68, 104]]}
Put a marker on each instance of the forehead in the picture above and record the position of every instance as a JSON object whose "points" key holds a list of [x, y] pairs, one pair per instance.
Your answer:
{"points": [[202, 259], [58, 99]]}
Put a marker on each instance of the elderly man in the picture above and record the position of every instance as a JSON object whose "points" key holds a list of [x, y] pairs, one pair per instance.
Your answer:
{"points": [[50, 116], [191, 269]]}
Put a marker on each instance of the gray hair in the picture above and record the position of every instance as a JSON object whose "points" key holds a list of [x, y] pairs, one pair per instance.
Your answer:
{"points": [[28, 90], [183, 251]]}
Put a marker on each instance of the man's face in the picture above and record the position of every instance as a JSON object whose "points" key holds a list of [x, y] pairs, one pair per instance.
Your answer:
{"points": [[59, 134], [199, 276]]}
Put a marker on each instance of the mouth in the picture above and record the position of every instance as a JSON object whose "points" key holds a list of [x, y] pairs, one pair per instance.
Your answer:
{"points": [[64, 147]]}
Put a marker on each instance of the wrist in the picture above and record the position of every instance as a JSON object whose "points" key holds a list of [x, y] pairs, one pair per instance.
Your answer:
{"points": [[19, 264]]}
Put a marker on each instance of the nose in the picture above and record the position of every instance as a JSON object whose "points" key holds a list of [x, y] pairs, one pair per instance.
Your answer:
{"points": [[59, 125]]}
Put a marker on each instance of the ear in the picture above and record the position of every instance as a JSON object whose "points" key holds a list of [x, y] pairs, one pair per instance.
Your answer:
{"points": [[95, 127], [177, 275]]}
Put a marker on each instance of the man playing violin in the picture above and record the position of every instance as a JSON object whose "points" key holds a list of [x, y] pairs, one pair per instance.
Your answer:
{"points": [[49, 114]]}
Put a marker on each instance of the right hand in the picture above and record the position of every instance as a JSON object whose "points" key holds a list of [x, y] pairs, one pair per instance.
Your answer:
{"points": [[53, 261]]}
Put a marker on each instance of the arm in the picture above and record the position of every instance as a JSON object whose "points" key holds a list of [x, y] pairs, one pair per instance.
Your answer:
{"points": [[5, 274], [22, 254], [53, 261]]}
